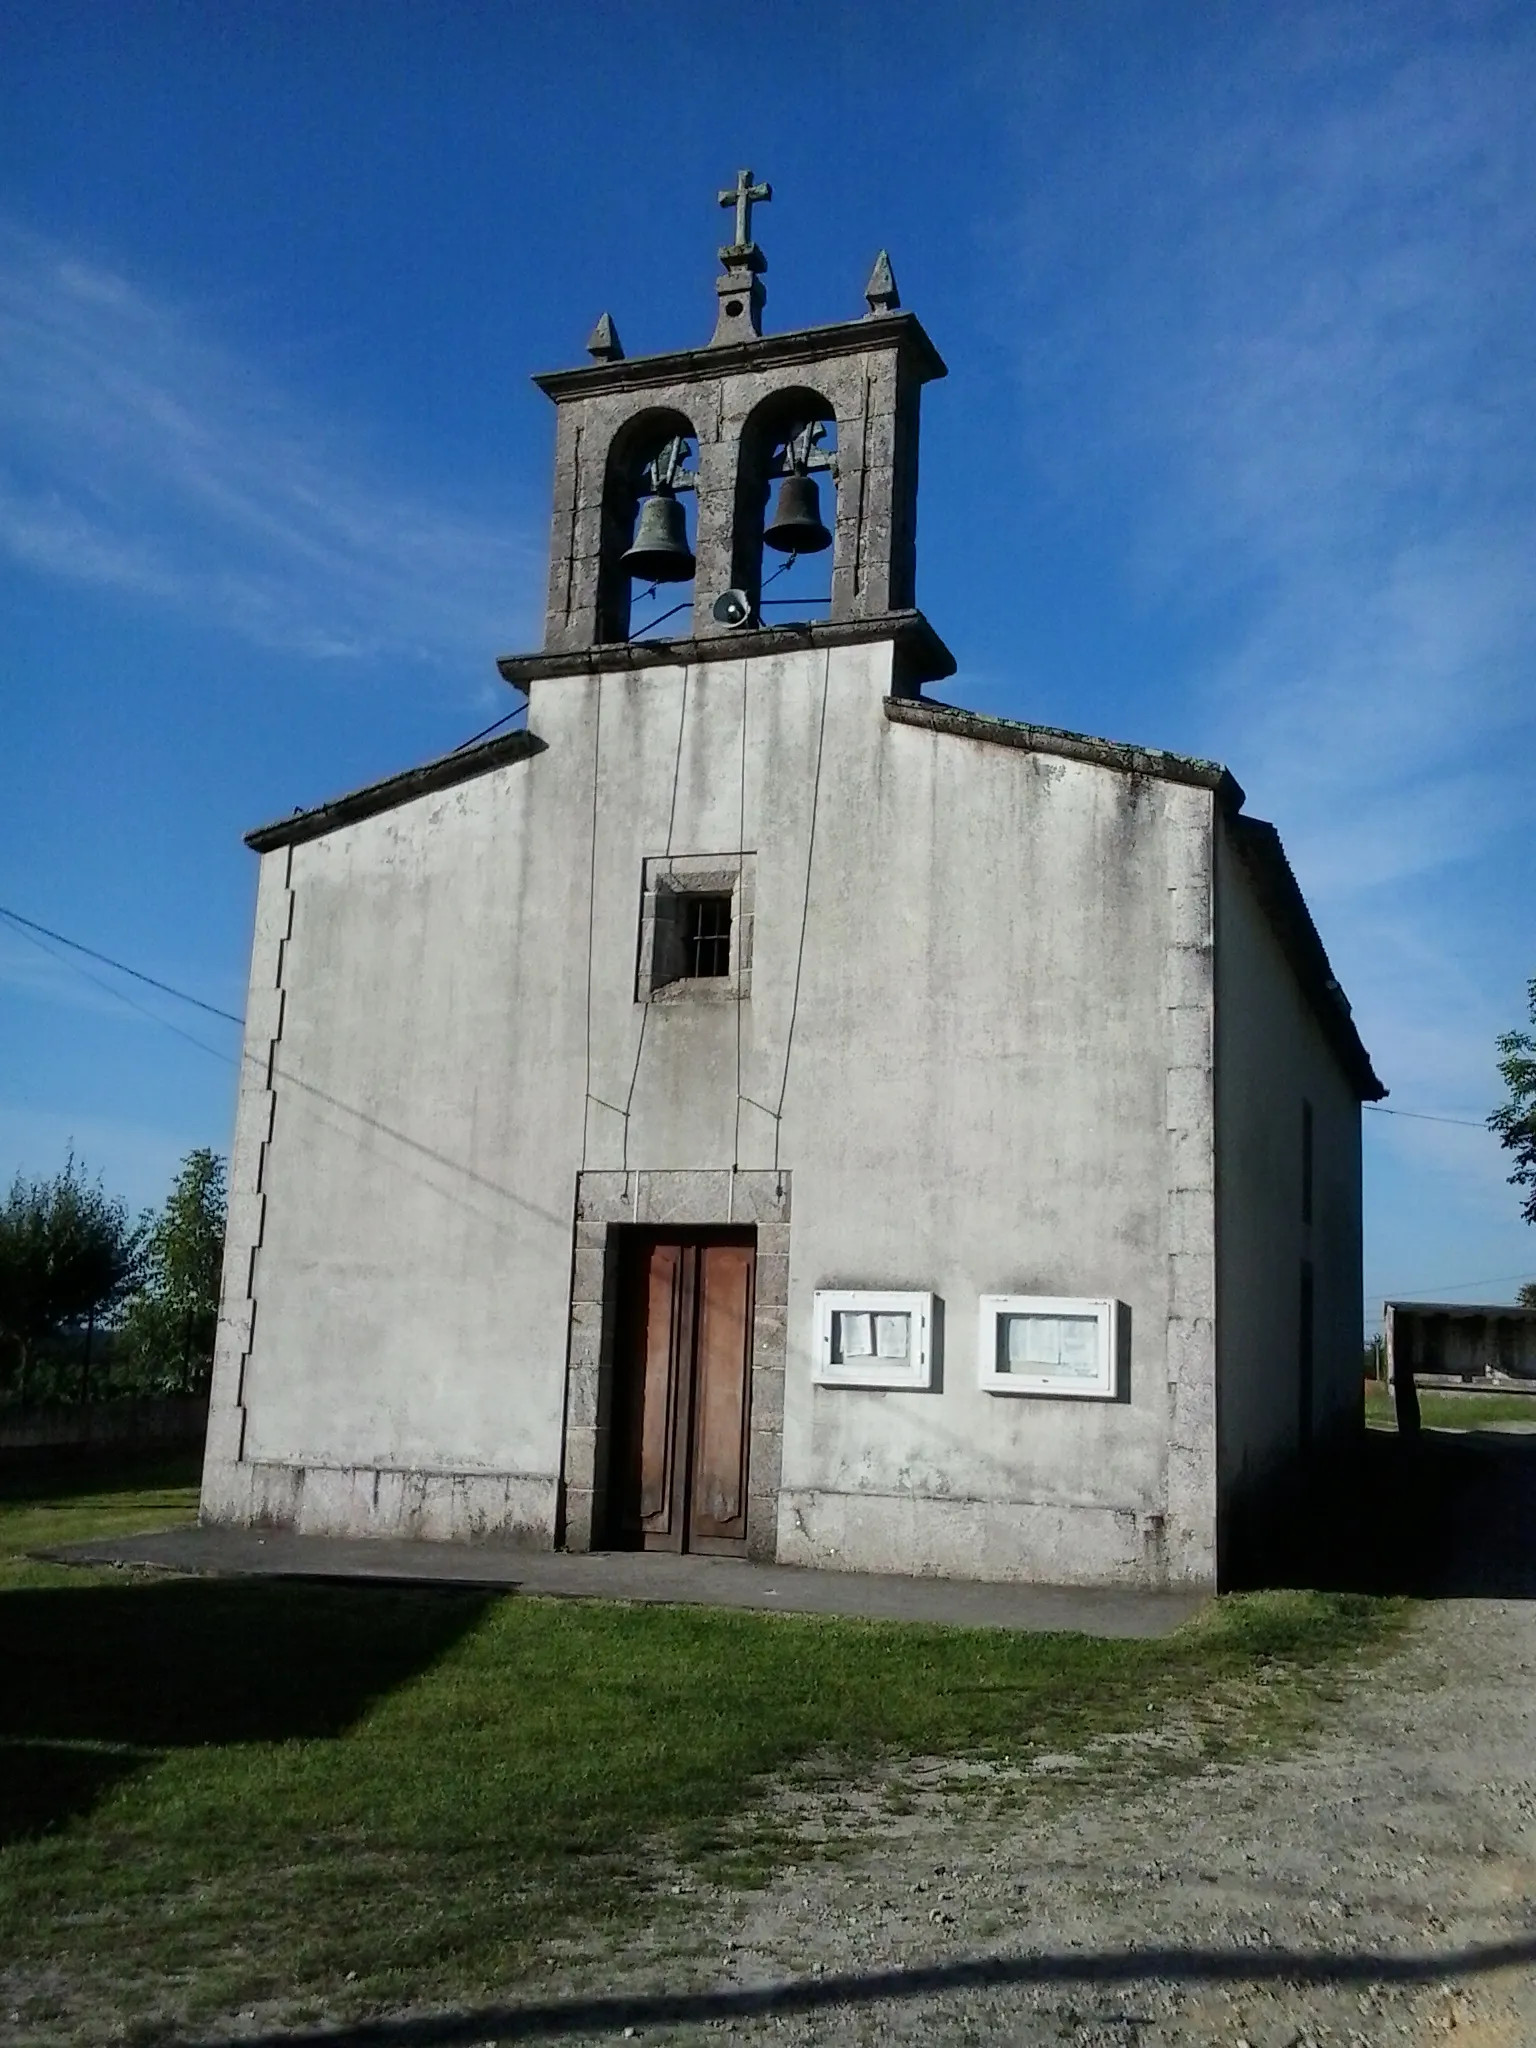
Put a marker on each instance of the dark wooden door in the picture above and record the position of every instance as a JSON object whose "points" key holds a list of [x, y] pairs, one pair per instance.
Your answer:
{"points": [[682, 1385]]}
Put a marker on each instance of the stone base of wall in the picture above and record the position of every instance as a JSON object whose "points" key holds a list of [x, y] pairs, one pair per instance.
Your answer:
{"points": [[509, 1508], [972, 1539]]}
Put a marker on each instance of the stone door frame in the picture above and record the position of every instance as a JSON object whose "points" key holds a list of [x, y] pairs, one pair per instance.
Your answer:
{"points": [[605, 1202]]}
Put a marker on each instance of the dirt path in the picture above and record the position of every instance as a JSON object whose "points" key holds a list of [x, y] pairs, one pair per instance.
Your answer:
{"points": [[1378, 1888]]}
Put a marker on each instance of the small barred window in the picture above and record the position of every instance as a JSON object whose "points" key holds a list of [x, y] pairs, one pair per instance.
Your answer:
{"points": [[706, 936]]}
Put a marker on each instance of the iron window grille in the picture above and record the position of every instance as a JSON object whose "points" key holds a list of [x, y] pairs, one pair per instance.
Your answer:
{"points": [[706, 937]]}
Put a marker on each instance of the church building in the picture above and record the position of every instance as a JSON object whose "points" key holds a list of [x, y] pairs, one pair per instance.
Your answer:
{"points": [[757, 1107]]}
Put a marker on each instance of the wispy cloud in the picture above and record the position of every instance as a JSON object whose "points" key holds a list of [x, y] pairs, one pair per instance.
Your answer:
{"points": [[1300, 349], [144, 455], [1279, 310]]}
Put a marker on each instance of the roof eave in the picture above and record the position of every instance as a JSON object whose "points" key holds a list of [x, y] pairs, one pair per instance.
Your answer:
{"points": [[1070, 746], [445, 772]]}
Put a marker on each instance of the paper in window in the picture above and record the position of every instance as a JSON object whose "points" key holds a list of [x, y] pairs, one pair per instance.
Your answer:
{"points": [[1033, 1343], [1079, 1349], [856, 1337], [1064, 1346], [893, 1336]]}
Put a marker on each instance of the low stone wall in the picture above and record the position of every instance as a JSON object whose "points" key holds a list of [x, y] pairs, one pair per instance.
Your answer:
{"points": [[1493, 1383], [102, 1425]]}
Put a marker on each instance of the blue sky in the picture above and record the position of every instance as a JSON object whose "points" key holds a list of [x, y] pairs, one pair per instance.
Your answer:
{"points": [[1237, 454]]}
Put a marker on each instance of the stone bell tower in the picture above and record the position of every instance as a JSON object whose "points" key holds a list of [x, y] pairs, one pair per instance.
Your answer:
{"points": [[726, 422]]}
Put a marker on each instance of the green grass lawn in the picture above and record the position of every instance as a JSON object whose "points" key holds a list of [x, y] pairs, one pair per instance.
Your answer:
{"points": [[313, 1798], [65, 1502], [1451, 1411]]}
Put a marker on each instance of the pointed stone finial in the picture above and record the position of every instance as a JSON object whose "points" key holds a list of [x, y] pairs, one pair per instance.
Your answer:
{"points": [[881, 292], [604, 343]]}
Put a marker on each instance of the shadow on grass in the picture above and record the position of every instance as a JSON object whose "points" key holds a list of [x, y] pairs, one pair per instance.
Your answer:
{"points": [[1449, 1515], [102, 1680], [44, 1784], [81, 1474], [613, 2015]]}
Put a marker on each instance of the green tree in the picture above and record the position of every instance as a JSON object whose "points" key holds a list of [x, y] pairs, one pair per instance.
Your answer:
{"points": [[67, 1257], [171, 1320], [1527, 1295], [1515, 1119]]}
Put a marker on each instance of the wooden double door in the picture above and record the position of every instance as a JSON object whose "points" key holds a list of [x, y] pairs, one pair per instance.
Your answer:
{"points": [[682, 1390]]}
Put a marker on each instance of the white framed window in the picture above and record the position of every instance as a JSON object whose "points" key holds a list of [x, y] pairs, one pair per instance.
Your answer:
{"points": [[1048, 1344], [867, 1339]]}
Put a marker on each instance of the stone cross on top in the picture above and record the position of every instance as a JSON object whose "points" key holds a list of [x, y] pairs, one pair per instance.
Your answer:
{"points": [[744, 195], [741, 289]]}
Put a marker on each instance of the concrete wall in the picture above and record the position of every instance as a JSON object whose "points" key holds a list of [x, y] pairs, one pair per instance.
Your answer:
{"points": [[1271, 1057], [397, 1270], [981, 991], [980, 1102]]}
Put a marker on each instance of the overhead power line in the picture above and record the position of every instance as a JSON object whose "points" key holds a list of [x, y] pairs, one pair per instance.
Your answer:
{"points": [[44, 931], [1432, 1287], [119, 966], [1421, 1116]]}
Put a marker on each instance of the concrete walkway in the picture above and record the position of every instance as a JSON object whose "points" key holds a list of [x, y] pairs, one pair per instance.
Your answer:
{"points": [[653, 1576]]}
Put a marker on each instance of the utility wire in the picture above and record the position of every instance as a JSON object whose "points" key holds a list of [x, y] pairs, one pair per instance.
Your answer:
{"points": [[805, 909], [42, 931], [516, 712], [27, 924], [1420, 1116], [121, 995], [1455, 1286]]}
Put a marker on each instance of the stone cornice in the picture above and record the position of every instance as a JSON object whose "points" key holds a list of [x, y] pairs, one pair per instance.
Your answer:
{"points": [[921, 656], [902, 331], [1071, 746], [443, 773]]}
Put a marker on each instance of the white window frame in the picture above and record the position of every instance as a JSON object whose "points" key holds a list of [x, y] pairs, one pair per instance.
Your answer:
{"points": [[991, 1309], [915, 1374]]}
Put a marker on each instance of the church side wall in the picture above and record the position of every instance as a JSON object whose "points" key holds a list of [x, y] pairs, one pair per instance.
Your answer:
{"points": [[1272, 1058]]}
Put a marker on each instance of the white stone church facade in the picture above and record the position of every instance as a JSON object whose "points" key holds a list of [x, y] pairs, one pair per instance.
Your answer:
{"points": [[760, 1109]]}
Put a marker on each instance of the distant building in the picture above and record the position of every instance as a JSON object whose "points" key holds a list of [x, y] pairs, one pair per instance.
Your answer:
{"points": [[761, 1109], [1460, 1340]]}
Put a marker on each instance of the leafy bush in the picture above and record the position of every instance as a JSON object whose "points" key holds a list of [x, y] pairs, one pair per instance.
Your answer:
{"points": [[93, 1307], [68, 1256], [1515, 1120], [165, 1344]]}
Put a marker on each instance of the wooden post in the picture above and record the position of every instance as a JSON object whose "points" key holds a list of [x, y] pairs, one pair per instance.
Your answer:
{"points": [[85, 1363]]}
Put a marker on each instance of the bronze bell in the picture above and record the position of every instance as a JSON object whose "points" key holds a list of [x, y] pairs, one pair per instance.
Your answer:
{"points": [[660, 553], [796, 528]]}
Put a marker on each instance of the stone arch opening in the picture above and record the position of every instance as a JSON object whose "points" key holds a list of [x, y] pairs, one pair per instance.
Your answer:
{"points": [[656, 447], [791, 436]]}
